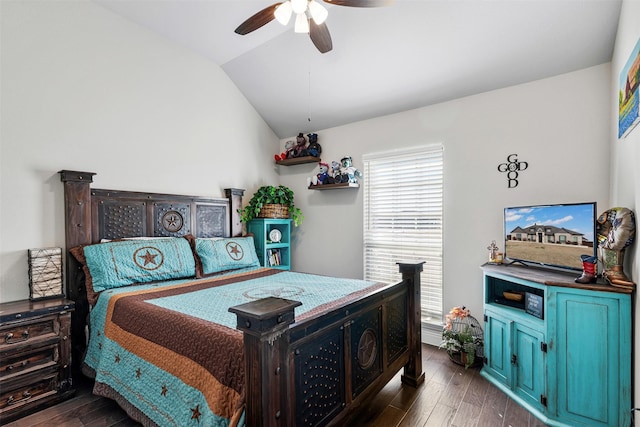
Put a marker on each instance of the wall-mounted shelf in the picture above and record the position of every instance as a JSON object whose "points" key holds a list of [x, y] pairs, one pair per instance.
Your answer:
{"points": [[342, 185], [298, 160]]}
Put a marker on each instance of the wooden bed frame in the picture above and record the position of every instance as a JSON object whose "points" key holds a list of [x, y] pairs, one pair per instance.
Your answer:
{"points": [[312, 373]]}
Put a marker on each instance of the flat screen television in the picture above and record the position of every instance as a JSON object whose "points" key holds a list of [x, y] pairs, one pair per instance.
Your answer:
{"points": [[550, 235]]}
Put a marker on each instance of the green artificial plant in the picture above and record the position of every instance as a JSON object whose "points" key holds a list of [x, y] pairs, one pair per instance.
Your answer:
{"points": [[270, 194]]}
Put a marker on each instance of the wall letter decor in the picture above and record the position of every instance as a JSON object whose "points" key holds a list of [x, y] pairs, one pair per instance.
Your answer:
{"points": [[512, 166]]}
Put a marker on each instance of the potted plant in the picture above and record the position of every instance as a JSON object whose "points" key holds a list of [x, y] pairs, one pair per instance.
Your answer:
{"points": [[462, 336], [272, 202]]}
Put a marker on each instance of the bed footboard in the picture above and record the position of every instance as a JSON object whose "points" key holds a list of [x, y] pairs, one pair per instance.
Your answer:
{"points": [[319, 371]]}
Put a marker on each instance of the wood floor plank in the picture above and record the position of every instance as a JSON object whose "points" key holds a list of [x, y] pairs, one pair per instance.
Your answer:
{"points": [[418, 414], [467, 415], [516, 415], [441, 416], [389, 417], [477, 390], [494, 407], [457, 387]]}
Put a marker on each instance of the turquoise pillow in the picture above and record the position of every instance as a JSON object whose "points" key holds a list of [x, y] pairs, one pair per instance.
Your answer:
{"points": [[218, 255], [123, 263]]}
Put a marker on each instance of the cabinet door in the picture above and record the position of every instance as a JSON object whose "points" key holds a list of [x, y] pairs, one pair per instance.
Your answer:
{"points": [[592, 358], [497, 347], [529, 364]]}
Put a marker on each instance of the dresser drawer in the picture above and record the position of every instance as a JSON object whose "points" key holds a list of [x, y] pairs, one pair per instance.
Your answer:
{"points": [[23, 361], [27, 390], [29, 332]]}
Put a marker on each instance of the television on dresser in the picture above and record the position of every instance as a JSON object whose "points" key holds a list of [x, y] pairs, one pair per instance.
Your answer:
{"points": [[553, 235]]}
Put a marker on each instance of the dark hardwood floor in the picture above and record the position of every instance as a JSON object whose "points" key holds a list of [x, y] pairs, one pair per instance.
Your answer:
{"points": [[450, 396]]}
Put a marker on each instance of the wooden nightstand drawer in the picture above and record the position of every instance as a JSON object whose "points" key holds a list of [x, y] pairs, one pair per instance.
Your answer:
{"points": [[21, 362], [29, 333], [27, 390]]}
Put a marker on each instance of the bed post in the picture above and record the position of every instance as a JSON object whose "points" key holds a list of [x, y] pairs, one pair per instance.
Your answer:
{"points": [[413, 374], [77, 208], [264, 323], [235, 202]]}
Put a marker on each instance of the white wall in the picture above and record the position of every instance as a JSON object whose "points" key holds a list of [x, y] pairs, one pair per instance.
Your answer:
{"points": [[560, 126], [84, 89], [625, 158]]}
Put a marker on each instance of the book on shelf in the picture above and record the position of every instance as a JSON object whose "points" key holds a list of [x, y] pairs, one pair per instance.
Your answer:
{"points": [[274, 257]]}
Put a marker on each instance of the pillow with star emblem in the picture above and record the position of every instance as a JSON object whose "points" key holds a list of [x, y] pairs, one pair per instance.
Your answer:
{"points": [[217, 255], [125, 262]]}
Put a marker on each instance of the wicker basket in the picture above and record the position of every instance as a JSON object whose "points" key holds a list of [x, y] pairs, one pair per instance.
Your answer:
{"points": [[274, 211]]}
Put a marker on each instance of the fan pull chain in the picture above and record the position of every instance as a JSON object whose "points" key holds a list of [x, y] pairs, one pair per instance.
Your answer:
{"points": [[309, 105]]}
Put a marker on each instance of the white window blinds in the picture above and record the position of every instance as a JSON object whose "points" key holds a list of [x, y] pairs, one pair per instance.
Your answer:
{"points": [[403, 205]]}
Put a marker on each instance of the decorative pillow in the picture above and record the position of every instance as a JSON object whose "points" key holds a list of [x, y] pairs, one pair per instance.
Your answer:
{"points": [[218, 255], [125, 262]]}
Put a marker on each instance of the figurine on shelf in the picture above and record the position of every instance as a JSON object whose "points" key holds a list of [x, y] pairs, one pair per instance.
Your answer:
{"points": [[335, 172], [314, 149], [288, 147], [323, 176], [300, 149], [352, 174]]}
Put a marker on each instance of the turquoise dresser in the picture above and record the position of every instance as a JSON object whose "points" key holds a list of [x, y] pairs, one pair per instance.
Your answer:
{"points": [[564, 350]]}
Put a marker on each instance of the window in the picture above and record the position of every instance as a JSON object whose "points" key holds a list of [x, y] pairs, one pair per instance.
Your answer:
{"points": [[403, 201]]}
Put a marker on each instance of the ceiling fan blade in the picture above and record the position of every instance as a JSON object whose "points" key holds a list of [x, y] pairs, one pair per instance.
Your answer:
{"points": [[320, 36], [258, 20], [361, 3]]}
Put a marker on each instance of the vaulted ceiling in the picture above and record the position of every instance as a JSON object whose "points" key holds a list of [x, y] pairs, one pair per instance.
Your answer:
{"points": [[384, 60]]}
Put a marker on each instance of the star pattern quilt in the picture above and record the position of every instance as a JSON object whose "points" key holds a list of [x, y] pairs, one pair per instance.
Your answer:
{"points": [[169, 352]]}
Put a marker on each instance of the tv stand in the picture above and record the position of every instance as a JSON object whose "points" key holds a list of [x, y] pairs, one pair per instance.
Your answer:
{"points": [[563, 351]]}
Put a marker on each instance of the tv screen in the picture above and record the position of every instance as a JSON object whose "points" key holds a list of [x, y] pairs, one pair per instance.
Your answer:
{"points": [[550, 235]]}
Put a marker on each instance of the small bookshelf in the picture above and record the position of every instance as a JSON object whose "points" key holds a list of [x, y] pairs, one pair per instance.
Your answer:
{"points": [[272, 253]]}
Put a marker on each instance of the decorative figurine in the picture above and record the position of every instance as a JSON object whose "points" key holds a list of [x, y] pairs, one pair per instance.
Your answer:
{"points": [[314, 149], [589, 269], [288, 147], [349, 171], [300, 150], [335, 172], [323, 176]]}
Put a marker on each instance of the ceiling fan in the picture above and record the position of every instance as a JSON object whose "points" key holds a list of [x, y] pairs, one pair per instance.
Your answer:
{"points": [[310, 18]]}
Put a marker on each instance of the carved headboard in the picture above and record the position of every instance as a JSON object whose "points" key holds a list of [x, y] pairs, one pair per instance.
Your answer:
{"points": [[92, 215]]}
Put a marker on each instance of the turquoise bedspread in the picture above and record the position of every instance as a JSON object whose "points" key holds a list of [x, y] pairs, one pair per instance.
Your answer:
{"points": [[169, 352]]}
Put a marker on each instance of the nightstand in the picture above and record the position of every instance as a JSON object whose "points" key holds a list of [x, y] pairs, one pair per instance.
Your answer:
{"points": [[35, 355], [272, 238]]}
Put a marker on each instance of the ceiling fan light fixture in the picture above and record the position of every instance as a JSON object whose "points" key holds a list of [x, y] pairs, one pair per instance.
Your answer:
{"points": [[283, 12], [299, 6], [302, 23], [318, 12]]}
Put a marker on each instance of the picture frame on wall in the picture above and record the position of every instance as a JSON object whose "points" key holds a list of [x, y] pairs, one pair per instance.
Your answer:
{"points": [[629, 94]]}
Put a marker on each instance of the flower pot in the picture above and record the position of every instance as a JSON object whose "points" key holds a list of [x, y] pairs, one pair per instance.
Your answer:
{"points": [[463, 358]]}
